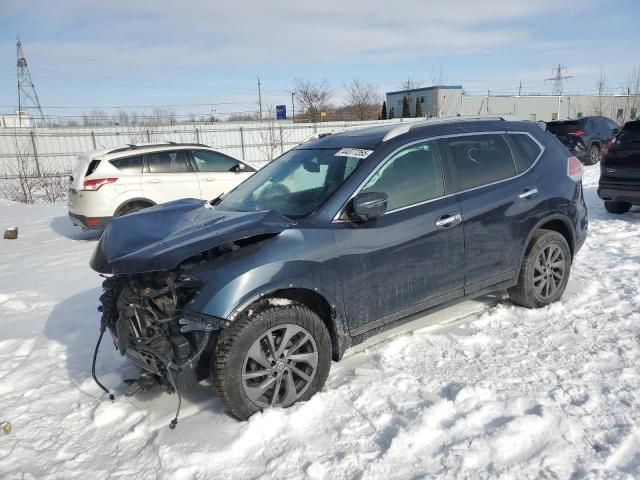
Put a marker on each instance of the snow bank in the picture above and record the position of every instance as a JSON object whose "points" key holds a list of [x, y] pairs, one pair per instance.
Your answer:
{"points": [[493, 391]]}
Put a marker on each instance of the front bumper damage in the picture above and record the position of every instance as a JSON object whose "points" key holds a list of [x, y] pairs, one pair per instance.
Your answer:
{"points": [[146, 319]]}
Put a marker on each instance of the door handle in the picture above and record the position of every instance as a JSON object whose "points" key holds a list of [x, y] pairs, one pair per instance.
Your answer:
{"points": [[447, 220], [153, 180], [209, 179], [528, 193]]}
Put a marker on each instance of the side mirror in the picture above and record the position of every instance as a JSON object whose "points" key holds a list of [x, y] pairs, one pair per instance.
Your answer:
{"points": [[238, 167], [367, 206]]}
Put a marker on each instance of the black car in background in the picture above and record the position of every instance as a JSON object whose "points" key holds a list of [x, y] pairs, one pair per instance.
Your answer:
{"points": [[333, 242], [620, 170], [585, 137]]}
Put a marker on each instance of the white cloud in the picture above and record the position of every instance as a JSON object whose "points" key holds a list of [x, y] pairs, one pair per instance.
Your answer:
{"points": [[245, 33]]}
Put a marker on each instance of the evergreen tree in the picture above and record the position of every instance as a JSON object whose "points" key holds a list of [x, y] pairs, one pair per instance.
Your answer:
{"points": [[406, 112], [418, 108], [383, 115], [392, 113]]}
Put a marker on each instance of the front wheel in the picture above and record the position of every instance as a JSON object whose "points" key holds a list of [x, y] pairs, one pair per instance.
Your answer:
{"points": [[545, 271], [617, 207], [278, 356]]}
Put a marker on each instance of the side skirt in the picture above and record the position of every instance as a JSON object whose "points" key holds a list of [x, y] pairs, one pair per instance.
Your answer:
{"points": [[361, 336]]}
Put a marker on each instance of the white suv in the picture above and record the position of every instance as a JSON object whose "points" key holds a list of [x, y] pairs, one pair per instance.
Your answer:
{"points": [[113, 182]]}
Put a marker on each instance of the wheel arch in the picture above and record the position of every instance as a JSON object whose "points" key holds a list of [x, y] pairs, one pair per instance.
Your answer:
{"points": [[130, 201], [557, 223], [312, 300]]}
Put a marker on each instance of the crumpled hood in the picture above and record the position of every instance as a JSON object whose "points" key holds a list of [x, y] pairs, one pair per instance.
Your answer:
{"points": [[160, 237]]}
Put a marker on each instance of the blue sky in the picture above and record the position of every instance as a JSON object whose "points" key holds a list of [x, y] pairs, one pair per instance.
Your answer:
{"points": [[86, 54]]}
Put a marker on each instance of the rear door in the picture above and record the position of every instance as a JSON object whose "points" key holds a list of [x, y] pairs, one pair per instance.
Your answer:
{"points": [[168, 176], [622, 162], [217, 173], [496, 203]]}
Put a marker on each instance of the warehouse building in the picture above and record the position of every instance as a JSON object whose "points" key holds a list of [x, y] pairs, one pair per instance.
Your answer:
{"points": [[451, 101]]}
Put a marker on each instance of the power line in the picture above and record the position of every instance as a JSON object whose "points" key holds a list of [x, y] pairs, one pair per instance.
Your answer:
{"points": [[141, 106]]}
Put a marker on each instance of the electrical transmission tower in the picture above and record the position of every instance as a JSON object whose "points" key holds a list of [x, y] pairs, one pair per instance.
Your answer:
{"points": [[558, 78], [27, 96]]}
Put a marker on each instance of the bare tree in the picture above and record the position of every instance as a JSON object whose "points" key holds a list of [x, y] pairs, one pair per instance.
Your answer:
{"points": [[21, 174], [312, 96], [632, 90], [363, 98], [601, 87], [272, 136], [122, 118]]}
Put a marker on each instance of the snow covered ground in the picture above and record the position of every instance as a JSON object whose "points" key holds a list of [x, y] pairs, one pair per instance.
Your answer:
{"points": [[481, 390]]}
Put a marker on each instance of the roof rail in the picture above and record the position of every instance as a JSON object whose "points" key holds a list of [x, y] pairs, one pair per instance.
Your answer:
{"points": [[405, 127], [134, 146]]}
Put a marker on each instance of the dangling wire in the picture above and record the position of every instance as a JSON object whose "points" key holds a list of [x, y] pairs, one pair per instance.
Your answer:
{"points": [[93, 364], [174, 422]]}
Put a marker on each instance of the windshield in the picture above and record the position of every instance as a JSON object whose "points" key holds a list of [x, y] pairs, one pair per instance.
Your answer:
{"points": [[295, 184]]}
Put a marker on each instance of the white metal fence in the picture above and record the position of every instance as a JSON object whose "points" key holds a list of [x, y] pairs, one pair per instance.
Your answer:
{"points": [[54, 150]]}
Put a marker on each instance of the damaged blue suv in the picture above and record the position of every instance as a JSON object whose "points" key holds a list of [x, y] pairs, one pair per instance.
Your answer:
{"points": [[334, 241]]}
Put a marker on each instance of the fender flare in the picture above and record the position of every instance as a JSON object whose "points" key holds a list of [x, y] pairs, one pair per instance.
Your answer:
{"points": [[556, 216]]}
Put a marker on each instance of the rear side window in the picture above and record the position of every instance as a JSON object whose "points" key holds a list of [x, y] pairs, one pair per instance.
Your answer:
{"points": [[630, 134], [168, 162], [92, 167], [564, 127], [480, 160], [411, 176], [128, 164], [208, 161], [528, 150]]}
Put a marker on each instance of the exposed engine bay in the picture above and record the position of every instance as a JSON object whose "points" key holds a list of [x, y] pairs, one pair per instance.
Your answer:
{"points": [[144, 314]]}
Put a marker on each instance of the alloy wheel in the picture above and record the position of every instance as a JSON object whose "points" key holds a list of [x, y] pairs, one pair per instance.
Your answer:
{"points": [[280, 366], [549, 271]]}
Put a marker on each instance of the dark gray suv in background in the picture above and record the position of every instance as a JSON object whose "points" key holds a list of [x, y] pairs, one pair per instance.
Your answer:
{"points": [[337, 240]]}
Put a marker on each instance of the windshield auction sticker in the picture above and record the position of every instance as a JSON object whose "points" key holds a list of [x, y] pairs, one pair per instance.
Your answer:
{"points": [[353, 152]]}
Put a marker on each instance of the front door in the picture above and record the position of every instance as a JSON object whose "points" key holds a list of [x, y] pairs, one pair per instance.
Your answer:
{"points": [[411, 257], [217, 173], [167, 176]]}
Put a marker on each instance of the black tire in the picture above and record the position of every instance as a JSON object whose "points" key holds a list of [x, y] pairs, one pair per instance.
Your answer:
{"points": [[593, 155], [533, 274], [132, 207], [232, 360], [617, 207]]}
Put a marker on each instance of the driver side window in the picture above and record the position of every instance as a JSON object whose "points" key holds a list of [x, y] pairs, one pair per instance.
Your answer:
{"points": [[411, 176], [208, 161]]}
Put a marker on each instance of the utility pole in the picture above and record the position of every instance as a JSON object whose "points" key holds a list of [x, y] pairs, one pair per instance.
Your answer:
{"points": [[293, 108], [27, 96], [488, 95], [558, 79], [520, 89], [259, 99]]}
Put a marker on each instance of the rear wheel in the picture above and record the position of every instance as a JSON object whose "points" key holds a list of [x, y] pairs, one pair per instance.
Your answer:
{"points": [[545, 271], [593, 155], [275, 358], [132, 207], [617, 207]]}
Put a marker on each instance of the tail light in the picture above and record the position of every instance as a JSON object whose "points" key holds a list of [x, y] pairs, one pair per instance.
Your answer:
{"points": [[577, 133], [95, 184], [574, 169]]}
